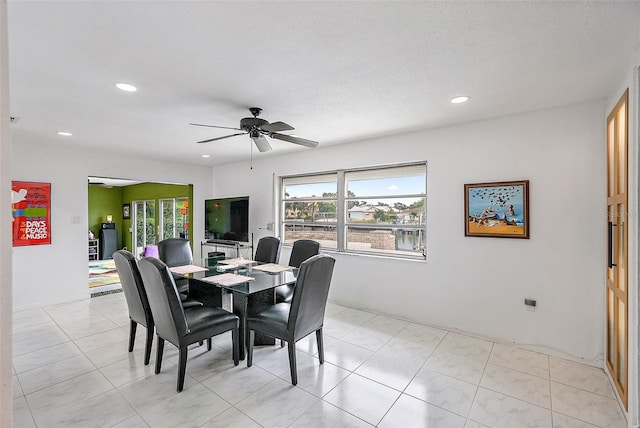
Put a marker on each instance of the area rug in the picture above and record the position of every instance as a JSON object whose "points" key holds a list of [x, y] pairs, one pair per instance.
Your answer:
{"points": [[103, 272]]}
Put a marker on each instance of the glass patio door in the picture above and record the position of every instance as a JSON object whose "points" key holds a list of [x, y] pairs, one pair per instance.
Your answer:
{"points": [[144, 224], [174, 222]]}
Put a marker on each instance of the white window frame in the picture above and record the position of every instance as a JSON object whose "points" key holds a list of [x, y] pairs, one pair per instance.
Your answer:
{"points": [[342, 222], [173, 202]]}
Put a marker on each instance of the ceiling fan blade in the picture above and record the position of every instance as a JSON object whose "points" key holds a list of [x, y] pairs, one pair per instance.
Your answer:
{"points": [[262, 144], [277, 127], [215, 126], [295, 140], [221, 138]]}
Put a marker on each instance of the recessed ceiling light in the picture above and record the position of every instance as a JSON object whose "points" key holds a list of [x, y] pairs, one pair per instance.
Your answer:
{"points": [[460, 99], [64, 133], [206, 156], [126, 87]]}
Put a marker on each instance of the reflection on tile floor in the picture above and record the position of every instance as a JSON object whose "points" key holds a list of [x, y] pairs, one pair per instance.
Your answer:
{"points": [[71, 368]]}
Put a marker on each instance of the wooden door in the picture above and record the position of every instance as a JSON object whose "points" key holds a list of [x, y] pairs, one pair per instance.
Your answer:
{"points": [[617, 347]]}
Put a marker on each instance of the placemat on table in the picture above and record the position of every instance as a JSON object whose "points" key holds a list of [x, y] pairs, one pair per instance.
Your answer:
{"points": [[272, 268], [183, 270], [227, 279]]}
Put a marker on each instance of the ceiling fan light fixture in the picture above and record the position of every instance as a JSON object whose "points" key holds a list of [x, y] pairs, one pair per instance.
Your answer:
{"points": [[127, 87], [460, 99], [64, 133]]}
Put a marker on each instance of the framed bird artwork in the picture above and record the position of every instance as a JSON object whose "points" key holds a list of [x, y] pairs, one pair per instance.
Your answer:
{"points": [[497, 210]]}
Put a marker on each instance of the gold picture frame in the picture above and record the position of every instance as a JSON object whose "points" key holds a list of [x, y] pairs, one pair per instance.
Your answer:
{"points": [[497, 209]]}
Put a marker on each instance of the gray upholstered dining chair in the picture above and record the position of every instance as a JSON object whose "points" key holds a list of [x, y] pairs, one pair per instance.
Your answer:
{"points": [[136, 297], [267, 250], [182, 327], [302, 250], [137, 301], [176, 252], [304, 315]]}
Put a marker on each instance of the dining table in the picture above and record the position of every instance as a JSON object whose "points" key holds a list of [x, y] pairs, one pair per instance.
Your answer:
{"points": [[250, 285]]}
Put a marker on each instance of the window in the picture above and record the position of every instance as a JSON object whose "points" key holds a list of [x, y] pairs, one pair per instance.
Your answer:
{"points": [[174, 222], [370, 211], [309, 209]]}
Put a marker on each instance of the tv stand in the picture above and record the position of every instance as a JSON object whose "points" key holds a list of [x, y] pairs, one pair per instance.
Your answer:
{"points": [[225, 243]]}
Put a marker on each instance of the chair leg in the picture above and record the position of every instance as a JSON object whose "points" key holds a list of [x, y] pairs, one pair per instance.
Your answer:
{"points": [[132, 334], [320, 345], [250, 338], [160, 350], [147, 349], [292, 362], [182, 367], [209, 344], [236, 346]]}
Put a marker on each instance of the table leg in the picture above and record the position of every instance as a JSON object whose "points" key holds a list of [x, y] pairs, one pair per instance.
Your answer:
{"points": [[244, 306], [258, 302], [240, 309], [209, 294]]}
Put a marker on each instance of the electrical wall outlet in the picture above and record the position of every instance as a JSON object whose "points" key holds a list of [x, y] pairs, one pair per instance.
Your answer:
{"points": [[269, 226], [530, 304]]}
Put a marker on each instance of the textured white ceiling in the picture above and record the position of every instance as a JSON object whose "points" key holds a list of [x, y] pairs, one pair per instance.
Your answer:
{"points": [[336, 71]]}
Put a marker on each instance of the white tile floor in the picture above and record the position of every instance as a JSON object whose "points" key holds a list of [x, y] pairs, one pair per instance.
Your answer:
{"points": [[71, 368]]}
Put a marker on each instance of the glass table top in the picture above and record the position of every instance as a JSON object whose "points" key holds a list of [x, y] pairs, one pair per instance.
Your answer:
{"points": [[262, 280]]}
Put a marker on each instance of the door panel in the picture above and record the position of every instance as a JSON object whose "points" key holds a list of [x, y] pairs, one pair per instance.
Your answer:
{"points": [[144, 224], [617, 346], [174, 222]]}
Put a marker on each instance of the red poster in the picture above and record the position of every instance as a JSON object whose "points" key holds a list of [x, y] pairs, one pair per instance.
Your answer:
{"points": [[31, 210]]}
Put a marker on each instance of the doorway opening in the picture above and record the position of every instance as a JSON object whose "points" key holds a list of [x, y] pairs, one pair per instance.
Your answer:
{"points": [[131, 215]]}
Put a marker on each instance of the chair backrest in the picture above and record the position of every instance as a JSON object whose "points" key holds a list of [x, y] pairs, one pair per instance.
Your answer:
{"points": [[164, 300], [302, 250], [268, 250], [133, 287], [175, 252], [310, 295]]}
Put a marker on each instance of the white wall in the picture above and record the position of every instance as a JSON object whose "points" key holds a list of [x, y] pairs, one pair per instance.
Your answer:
{"points": [[475, 284], [48, 274], [6, 382]]}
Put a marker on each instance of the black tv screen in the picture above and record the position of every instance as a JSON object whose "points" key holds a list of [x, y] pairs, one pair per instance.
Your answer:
{"points": [[227, 218]]}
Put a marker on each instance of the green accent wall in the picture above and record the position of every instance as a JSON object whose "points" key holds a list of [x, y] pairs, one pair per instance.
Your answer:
{"points": [[103, 201], [155, 191]]}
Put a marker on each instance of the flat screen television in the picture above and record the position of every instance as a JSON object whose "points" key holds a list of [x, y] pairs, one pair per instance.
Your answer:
{"points": [[227, 218]]}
